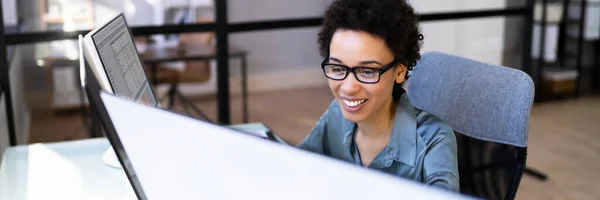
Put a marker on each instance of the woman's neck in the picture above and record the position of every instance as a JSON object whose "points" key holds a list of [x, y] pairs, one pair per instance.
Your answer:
{"points": [[379, 125]]}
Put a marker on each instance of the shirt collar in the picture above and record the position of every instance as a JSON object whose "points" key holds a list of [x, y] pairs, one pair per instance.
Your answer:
{"points": [[403, 140]]}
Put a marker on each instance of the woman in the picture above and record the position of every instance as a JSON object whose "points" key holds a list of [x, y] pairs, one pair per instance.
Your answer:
{"points": [[368, 46]]}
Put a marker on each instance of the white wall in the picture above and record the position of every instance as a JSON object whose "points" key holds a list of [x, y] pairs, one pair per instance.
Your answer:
{"points": [[277, 59], [481, 39], [137, 12], [289, 57], [140, 12], [244, 10], [21, 113], [9, 12], [278, 50], [105, 10]]}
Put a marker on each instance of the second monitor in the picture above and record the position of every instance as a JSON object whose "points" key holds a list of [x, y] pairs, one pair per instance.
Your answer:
{"points": [[112, 56]]}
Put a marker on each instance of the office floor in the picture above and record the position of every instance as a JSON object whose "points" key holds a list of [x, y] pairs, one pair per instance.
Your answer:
{"points": [[564, 139]]}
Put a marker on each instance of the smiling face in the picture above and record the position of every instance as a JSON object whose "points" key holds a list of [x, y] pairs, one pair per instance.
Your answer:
{"points": [[358, 101]]}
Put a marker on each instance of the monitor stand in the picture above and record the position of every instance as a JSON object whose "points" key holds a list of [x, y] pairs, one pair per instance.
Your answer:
{"points": [[110, 159]]}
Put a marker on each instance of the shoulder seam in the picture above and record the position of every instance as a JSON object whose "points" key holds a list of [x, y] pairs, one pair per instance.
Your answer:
{"points": [[418, 119], [436, 174]]}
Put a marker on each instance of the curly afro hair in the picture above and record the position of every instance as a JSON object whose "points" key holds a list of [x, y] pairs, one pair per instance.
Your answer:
{"points": [[394, 21]]}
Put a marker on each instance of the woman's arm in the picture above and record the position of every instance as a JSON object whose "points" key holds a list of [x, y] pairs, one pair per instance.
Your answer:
{"points": [[440, 163], [440, 167]]}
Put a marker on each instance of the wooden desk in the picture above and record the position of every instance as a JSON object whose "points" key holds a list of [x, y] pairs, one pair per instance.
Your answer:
{"points": [[156, 55]]}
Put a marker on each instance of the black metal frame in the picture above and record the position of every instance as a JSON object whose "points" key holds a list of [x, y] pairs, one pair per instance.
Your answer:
{"points": [[222, 30], [580, 46], [222, 35], [527, 36], [542, 51], [33, 37], [5, 84]]}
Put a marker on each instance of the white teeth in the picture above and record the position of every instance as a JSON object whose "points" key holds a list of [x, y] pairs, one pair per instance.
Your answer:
{"points": [[354, 103]]}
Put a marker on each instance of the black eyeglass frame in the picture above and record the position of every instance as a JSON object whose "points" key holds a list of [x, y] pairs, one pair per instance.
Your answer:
{"points": [[353, 70]]}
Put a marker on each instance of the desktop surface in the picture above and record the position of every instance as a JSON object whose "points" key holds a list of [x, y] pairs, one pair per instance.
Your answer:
{"points": [[62, 170]]}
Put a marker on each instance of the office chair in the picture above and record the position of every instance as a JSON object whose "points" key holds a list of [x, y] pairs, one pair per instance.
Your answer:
{"points": [[193, 71], [488, 107]]}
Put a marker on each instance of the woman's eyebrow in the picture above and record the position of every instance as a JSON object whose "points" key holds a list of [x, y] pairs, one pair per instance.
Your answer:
{"points": [[336, 60], [370, 62]]}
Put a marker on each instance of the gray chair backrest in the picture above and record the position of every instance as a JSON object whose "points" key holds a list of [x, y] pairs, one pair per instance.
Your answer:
{"points": [[483, 101]]}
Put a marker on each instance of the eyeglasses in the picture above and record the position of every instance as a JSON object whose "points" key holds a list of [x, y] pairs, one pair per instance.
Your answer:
{"points": [[366, 75]]}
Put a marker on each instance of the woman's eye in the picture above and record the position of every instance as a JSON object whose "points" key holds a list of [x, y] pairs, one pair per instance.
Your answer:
{"points": [[337, 69], [368, 72]]}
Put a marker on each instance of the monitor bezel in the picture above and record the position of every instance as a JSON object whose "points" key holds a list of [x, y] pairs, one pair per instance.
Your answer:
{"points": [[93, 90]]}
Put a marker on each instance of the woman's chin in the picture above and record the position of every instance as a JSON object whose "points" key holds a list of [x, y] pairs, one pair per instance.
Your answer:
{"points": [[353, 117]]}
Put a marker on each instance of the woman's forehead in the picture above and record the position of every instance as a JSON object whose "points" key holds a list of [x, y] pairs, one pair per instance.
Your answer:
{"points": [[356, 46]]}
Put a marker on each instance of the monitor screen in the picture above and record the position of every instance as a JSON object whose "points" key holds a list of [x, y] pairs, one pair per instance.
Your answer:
{"points": [[121, 62]]}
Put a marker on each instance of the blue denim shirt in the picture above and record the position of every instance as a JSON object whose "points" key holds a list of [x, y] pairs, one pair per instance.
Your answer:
{"points": [[421, 146]]}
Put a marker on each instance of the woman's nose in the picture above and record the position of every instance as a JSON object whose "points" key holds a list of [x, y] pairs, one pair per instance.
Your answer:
{"points": [[350, 85]]}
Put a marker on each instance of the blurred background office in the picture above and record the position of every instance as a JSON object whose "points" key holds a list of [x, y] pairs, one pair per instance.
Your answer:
{"points": [[278, 66]]}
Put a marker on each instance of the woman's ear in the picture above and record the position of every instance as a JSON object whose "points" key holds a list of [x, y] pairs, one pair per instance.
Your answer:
{"points": [[400, 73]]}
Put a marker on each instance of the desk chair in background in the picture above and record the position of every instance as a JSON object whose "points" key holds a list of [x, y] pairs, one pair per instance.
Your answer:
{"points": [[488, 107], [192, 72]]}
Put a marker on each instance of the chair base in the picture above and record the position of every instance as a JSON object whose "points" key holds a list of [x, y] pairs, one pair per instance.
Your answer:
{"points": [[189, 107], [535, 173]]}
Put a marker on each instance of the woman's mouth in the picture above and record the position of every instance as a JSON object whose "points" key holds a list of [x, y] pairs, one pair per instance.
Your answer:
{"points": [[353, 105]]}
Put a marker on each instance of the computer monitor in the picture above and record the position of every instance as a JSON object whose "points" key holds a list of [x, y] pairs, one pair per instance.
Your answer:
{"points": [[197, 161], [111, 53], [112, 57]]}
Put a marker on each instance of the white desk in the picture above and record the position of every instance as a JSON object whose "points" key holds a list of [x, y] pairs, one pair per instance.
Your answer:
{"points": [[65, 170], [75, 170], [68, 170]]}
